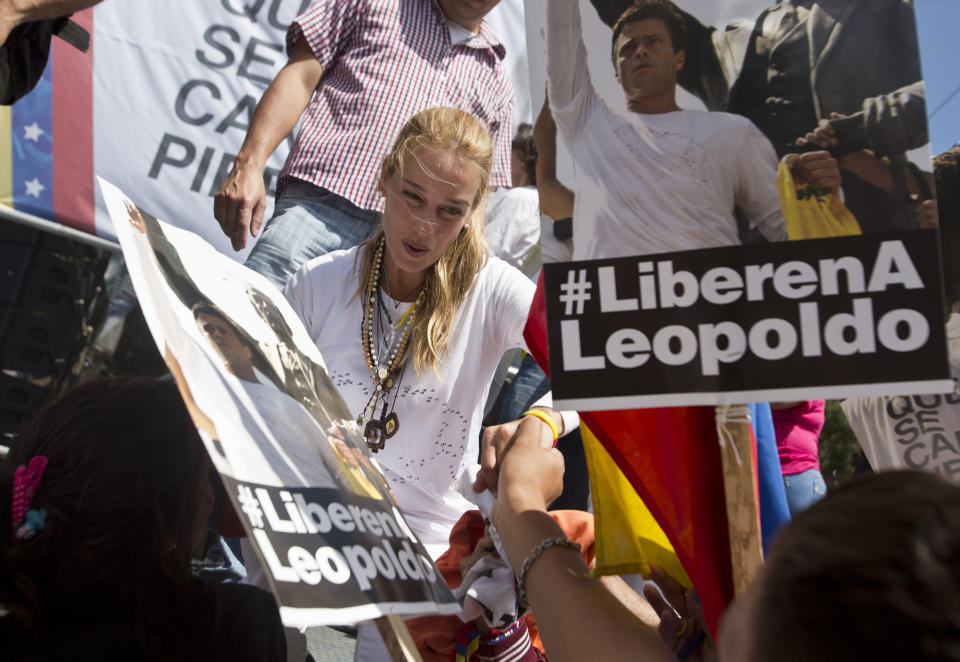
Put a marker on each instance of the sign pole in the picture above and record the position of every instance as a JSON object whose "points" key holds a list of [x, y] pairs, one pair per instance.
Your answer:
{"points": [[740, 490], [397, 638]]}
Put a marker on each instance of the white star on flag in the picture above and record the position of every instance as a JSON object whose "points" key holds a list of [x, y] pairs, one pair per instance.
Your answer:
{"points": [[32, 132], [34, 187]]}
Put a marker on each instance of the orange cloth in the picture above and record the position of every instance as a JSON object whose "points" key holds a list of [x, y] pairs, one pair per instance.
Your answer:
{"points": [[435, 636]]}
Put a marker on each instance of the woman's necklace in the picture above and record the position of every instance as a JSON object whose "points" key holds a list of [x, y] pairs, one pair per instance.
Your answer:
{"points": [[383, 369]]}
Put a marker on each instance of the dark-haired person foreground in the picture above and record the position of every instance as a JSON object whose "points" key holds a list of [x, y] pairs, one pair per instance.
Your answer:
{"points": [[97, 564], [871, 572]]}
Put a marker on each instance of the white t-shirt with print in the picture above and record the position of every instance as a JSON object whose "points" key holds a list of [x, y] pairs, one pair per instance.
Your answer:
{"points": [[912, 431], [439, 416]]}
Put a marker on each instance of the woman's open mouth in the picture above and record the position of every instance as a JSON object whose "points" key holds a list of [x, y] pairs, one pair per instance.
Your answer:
{"points": [[416, 250]]}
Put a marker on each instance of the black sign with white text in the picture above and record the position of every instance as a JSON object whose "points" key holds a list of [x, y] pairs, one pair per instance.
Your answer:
{"points": [[330, 554], [804, 319]]}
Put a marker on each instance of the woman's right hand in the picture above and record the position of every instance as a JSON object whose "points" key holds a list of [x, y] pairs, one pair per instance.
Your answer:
{"points": [[528, 433], [527, 475]]}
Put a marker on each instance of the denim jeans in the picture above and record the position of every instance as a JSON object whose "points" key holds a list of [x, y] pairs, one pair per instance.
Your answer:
{"points": [[528, 386], [308, 221], [804, 489]]}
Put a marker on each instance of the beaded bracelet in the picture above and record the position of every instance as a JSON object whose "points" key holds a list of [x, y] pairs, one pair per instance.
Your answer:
{"points": [[546, 419], [546, 543]]}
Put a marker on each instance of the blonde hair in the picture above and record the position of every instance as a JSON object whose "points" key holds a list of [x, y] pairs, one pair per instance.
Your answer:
{"points": [[449, 278]]}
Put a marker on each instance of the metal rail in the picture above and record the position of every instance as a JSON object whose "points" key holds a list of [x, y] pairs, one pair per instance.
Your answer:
{"points": [[8, 214]]}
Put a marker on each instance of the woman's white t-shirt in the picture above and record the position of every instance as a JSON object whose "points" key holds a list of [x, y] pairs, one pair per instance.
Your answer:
{"points": [[439, 414]]}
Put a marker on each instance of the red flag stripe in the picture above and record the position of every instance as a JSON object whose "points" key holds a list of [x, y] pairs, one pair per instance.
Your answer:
{"points": [[73, 196]]}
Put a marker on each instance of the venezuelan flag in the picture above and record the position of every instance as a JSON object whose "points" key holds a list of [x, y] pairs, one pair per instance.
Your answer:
{"points": [[662, 495], [46, 140]]}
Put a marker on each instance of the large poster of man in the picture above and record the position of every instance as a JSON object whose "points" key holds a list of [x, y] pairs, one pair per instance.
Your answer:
{"points": [[736, 126], [332, 545]]}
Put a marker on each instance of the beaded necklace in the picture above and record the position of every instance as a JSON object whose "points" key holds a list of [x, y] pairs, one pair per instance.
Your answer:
{"points": [[384, 372]]}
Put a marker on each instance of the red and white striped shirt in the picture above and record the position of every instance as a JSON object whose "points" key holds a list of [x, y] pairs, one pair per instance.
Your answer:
{"points": [[384, 61]]}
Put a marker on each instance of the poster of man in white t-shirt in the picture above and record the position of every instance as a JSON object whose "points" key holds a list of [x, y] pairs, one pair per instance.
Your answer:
{"points": [[695, 151], [656, 178]]}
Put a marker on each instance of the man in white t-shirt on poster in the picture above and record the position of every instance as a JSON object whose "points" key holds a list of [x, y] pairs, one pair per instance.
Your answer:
{"points": [[281, 444], [658, 178]]}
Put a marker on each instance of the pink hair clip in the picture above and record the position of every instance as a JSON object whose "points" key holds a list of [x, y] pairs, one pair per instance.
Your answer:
{"points": [[25, 481]]}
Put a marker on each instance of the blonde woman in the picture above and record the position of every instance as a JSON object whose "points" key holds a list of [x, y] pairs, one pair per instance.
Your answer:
{"points": [[412, 323]]}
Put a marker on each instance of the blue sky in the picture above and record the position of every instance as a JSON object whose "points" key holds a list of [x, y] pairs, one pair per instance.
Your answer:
{"points": [[938, 22]]}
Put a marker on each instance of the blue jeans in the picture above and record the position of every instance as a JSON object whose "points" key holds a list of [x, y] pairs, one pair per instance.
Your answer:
{"points": [[308, 221], [528, 386], [803, 490]]}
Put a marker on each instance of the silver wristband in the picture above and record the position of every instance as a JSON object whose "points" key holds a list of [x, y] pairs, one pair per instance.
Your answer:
{"points": [[559, 541]]}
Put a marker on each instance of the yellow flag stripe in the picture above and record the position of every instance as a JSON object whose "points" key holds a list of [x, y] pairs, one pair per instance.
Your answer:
{"points": [[628, 537]]}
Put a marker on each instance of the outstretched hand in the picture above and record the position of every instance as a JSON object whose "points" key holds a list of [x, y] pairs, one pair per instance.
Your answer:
{"points": [[528, 442]]}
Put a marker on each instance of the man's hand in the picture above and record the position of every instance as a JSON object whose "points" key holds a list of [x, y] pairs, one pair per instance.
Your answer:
{"points": [[133, 215], [823, 136], [528, 432], [682, 622], [16, 12], [818, 169], [240, 203]]}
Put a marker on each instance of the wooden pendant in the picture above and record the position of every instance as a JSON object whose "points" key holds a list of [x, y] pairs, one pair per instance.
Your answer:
{"points": [[390, 425], [374, 436]]}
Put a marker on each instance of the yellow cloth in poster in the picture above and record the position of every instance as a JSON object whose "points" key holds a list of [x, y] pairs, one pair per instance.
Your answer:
{"points": [[628, 538], [6, 159], [812, 213]]}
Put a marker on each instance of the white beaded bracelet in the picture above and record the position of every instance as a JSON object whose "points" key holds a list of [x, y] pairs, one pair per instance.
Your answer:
{"points": [[546, 543]]}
